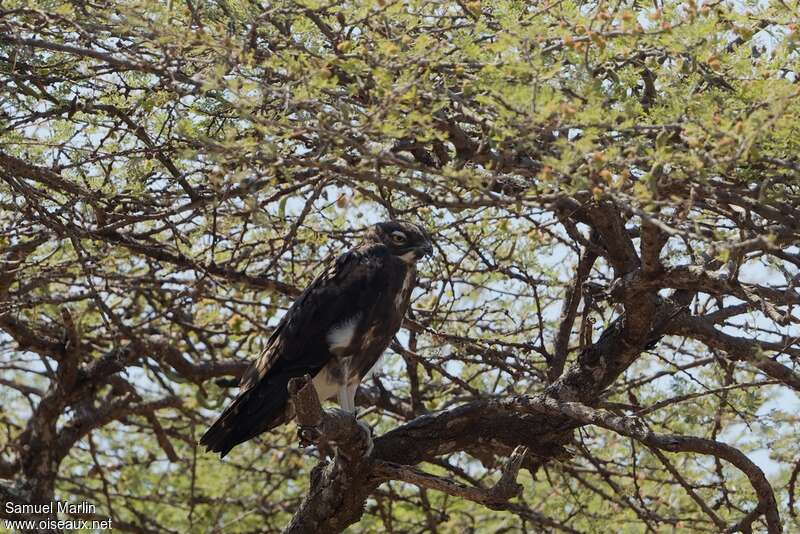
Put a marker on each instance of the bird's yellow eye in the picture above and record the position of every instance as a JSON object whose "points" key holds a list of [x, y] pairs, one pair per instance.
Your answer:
{"points": [[398, 237]]}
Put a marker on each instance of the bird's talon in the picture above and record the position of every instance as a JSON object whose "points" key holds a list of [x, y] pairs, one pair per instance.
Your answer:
{"points": [[368, 431]]}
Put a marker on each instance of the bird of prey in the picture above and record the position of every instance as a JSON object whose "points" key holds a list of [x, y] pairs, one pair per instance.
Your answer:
{"points": [[335, 331]]}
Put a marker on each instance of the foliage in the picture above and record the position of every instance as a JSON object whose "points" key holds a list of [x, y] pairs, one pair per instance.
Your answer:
{"points": [[597, 176]]}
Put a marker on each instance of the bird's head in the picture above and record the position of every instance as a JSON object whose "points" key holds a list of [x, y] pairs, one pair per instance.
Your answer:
{"points": [[404, 239]]}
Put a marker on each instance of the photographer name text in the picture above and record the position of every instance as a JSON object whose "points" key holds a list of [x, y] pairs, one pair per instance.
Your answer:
{"points": [[55, 507]]}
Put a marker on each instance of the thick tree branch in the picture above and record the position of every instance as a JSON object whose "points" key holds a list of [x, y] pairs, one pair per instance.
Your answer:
{"points": [[740, 349], [338, 487], [569, 311], [495, 497]]}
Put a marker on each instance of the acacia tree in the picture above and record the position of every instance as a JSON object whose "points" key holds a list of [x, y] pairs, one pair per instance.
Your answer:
{"points": [[606, 338]]}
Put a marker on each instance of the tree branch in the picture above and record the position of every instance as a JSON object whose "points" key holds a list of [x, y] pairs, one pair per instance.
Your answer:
{"points": [[495, 497]]}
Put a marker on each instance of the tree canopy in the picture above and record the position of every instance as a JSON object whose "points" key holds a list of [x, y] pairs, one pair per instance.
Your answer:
{"points": [[605, 340]]}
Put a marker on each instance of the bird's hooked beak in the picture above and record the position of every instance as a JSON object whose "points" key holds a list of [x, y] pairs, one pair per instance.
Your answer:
{"points": [[425, 249]]}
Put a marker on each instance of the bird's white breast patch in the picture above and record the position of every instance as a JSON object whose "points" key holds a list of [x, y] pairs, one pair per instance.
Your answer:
{"points": [[340, 336]]}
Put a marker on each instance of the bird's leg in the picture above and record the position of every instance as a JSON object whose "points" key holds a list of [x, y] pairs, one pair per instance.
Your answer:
{"points": [[351, 397], [347, 402], [351, 394]]}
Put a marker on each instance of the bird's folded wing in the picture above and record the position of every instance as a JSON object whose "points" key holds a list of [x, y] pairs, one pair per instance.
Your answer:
{"points": [[350, 285]]}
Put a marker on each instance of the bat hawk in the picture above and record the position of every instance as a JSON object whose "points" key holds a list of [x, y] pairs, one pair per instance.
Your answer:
{"points": [[336, 331]]}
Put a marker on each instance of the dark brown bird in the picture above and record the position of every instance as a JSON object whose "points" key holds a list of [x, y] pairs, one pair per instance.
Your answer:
{"points": [[336, 331]]}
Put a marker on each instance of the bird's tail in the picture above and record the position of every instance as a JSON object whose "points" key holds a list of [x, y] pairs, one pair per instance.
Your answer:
{"points": [[254, 411]]}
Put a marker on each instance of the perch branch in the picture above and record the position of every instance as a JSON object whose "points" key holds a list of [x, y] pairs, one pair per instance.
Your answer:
{"points": [[495, 497], [340, 485]]}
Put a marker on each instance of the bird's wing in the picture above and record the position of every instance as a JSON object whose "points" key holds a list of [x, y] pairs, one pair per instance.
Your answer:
{"points": [[350, 285], [353, 284]]}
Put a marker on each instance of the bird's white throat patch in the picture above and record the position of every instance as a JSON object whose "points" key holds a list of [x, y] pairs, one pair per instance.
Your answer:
{"points": [[340, 336], [409, 257]]}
